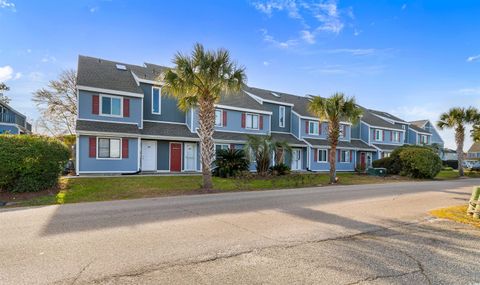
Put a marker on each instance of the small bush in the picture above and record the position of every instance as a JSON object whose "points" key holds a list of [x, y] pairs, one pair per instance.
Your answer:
{"points": [[230, 162], [280, 169], [30, 163], [419, 162], [382, 163]]}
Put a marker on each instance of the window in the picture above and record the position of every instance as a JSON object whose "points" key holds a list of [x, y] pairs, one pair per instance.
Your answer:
{"points": [[281, 117], [322, 155], [156, 101], [221, 146], [386, 154], [344, 156], [251, 121], [396, 136], [218, 118], [108, 148], [378, 135], [424, 139], [341, 131], [111, 106], [313, 128]]}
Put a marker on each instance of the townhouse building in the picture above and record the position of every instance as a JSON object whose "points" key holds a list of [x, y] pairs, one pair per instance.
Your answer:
{"points": [[12, 121], [125, 125]]}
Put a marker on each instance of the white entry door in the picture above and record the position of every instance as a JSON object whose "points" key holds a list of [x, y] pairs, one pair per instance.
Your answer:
{"points": [[190, 158], [296, 159], [149, 155]]}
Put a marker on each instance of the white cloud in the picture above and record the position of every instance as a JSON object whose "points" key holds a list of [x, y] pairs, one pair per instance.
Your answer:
{"points": [[469, 91], [7, 5], [18, 75], [329, 16], [6, 73], [356, 32], [404, 6], [288, 5], [29, 51], [307, 36], [48, 58], [36, 76], [280, 44], [473, 58], [94, 9], [358, 52], [266, 63]]}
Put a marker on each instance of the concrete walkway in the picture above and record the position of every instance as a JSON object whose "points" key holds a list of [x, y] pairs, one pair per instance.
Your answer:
{"points": [[339, 234]]}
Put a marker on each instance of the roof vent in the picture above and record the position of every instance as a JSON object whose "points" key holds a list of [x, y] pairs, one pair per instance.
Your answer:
{"points": [[121, 66], [275, 94]]}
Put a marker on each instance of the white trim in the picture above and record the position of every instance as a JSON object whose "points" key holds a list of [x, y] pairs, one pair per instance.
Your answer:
{"points": [[390, 120], [159, 101], [418, 132], [191, 119], [195, 156], [385, 128], [110, 91], [261, 100], [165, 122], [139, 145], [113, 171], [281, 109], [258, 121], [77, 155], [278, 132], [242, 109], [318, 128], [221, 118], [111, 106], [170, 155], [138, 80], [156, 137], [106, 121], [156, 155], [316, 119], [141, 114], [318, 155], [301, 159], [109, 158]]}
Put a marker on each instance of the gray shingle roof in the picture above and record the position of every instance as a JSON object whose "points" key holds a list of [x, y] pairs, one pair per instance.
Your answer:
{"points": [[375, 121], [475, 147], [386, 115], [100, 73], [241, 100], [228, 136], [288, 138], [354, 144], [386, 147], [419, 130], [94, 126], [419, 123], [167, 130]]}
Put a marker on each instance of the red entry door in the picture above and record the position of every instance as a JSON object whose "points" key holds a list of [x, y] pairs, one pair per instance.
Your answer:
{"points": [[175, 157], [362, 159]]}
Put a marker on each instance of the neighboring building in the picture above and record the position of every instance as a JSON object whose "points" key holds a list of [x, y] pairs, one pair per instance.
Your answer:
{"points": [[448, 154], [125, 125], [425, 130], [474, 151], [12, 121]]}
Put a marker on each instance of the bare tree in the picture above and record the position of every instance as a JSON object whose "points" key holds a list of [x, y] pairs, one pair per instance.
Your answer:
{"points": [[58, 104], [3, 97]]}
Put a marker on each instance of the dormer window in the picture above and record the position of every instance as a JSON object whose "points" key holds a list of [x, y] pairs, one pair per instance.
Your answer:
{"points": [[313, 128], [378, 135]]}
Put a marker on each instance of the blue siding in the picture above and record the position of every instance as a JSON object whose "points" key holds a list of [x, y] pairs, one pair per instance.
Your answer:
{"points": [[169, 109], [87, 163], [355, 131], [364, 131], [9, 129], [274, 108], [435, 138], [412, 137], [85, 109], [163, 155], [294, 125], [386, 137], [188, 120], [323, 134], [325, 166], [234, 123]]}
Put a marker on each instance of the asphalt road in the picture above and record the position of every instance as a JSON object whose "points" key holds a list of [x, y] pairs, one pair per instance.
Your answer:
{"points": [[378, 234]]}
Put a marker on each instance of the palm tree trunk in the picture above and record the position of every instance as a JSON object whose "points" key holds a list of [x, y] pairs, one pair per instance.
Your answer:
{"points": [[333, 157], [459, 138], [206, 128]]}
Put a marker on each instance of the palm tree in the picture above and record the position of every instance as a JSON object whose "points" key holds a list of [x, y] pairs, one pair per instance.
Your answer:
{"points": [[262, 148], [334, 109], [199, 80], [457, 118]]}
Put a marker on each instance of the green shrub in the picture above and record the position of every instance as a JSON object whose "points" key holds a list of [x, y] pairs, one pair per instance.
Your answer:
{"points": [[382, 163], [280, 169], [230, 162], [419, 162], [30, 163]]}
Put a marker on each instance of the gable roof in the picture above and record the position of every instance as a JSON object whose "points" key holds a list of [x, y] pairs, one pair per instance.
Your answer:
{"points": [[375, 121], [419, 130], [475, 147], [419, 123], [387, 115]]}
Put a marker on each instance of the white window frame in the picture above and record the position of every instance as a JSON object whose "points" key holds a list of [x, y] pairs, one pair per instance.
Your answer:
{"points": [[281, 115], [221, 118], [221, 146], [159, 100], [318, 155], [341, 135], [111, 97], [310, 129], [347, 153], [246, 121], [396, 136], [423, 139], [109, 158], [379, 135]]}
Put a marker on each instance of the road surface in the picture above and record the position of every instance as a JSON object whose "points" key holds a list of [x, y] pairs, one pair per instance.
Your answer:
{"points": [[377, 234]]}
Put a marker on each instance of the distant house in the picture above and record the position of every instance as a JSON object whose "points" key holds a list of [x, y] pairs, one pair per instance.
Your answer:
{"points": [[474, 151], [12, 121], [448, 154], [425, 133]]}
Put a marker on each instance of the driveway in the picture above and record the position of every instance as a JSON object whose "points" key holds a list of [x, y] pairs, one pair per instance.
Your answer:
{"points": [[339, 234]]}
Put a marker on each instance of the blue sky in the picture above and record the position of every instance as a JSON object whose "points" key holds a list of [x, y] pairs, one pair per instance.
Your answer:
{"points": [[415, 59]]}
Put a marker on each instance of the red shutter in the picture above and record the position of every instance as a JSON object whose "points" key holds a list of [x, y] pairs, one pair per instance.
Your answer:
{"points": [[315, 154], [306, 127], [124, 148], [92, 146], [95, 104], [261, 122], [232, 146], [243, 120], [391, 136], [224, 112], [339, 155], [126, 107], [383, 135]]}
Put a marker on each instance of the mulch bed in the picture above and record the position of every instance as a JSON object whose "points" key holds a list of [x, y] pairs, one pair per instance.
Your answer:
{"points": [[16, 197]]}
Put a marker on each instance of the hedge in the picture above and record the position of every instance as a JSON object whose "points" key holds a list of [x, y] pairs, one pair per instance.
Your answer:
{"points": [[30, 163], [415, 161]]}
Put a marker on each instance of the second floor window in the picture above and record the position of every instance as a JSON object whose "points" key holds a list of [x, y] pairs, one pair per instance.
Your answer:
{"points": [[423, 139], [342, 130], [379, 135], [313, 128], [281, 116], [156, 101], [108, 148], [111, 106], [396, 136], [251, 121], [218, 118]]}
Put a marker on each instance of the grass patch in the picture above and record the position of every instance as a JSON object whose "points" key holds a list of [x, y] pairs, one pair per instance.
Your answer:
{"points": [[453, 174], [75, 190], [457, 214]]}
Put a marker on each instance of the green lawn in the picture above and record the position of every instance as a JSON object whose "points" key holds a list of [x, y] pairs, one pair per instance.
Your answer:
{"points": [[85, 189], [453, 174], [457, 214]]}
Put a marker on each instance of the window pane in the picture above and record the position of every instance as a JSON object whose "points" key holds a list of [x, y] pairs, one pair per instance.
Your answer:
{"points": [[115, 148], [156, 100], [103, 148], [106, 105], [254, 122], [249, 121], [116, 106], [218, 117]]}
